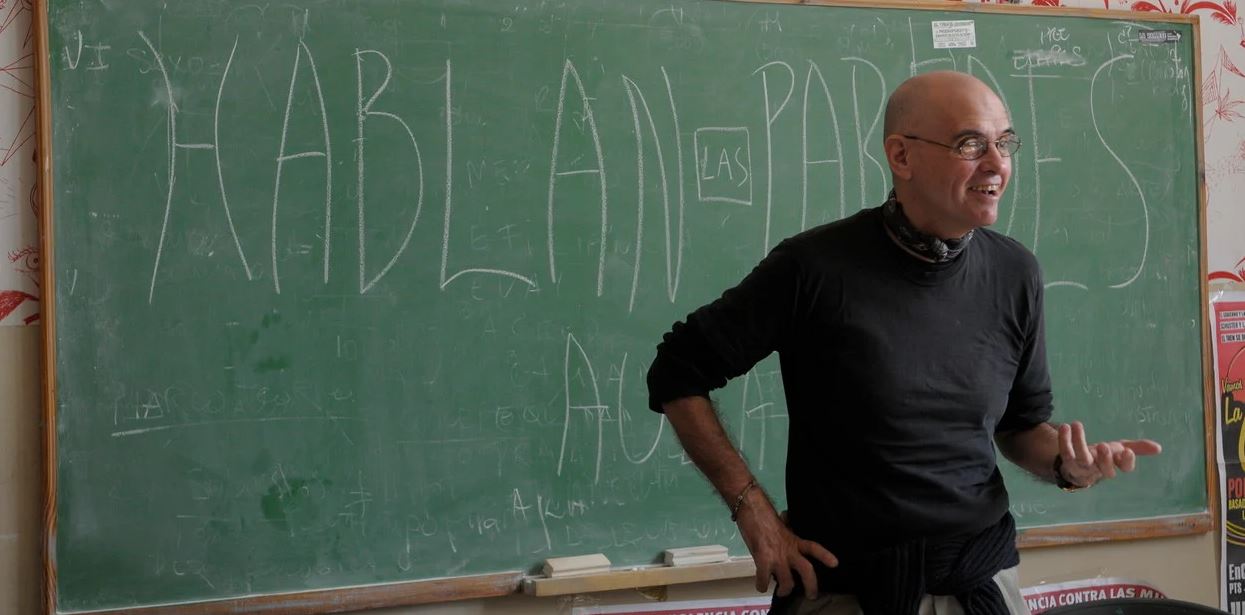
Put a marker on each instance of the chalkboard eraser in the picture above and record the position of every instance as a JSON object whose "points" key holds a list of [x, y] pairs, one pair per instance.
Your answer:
{"points": [[707, 554], [556, 567]]}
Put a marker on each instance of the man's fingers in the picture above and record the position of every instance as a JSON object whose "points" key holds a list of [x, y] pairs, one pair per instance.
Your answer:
{"points": [[1083, 454], [822, 554], [1142, 447], [807, 576], [1126, 460], [763, 575], [783, 574], [1065, 443], [1104, 460]]}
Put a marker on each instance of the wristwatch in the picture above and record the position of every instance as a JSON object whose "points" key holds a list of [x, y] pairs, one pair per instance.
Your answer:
{"points": [[1060, 480]]}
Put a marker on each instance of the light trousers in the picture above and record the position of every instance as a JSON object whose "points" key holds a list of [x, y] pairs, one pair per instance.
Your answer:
{"points": [[845, 604]]}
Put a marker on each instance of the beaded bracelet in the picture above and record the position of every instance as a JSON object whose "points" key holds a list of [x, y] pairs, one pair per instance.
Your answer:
{"points": [[739, 501]]}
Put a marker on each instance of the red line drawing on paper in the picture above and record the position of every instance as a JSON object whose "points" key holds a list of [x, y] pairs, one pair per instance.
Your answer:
{"points": [[17, 145], [1215, 92], [11, 299], [1223, 12], [26, 262], [17, 74], [1232, 276]]}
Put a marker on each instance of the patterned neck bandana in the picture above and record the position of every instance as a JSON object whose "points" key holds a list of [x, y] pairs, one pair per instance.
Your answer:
{"points": [[923, 245]]}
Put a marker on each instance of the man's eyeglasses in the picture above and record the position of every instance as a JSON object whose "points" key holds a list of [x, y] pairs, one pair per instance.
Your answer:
{"points": [[972, 148]]}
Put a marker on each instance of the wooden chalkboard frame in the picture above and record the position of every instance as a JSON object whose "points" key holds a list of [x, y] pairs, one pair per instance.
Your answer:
{"points": [[506, 583]]}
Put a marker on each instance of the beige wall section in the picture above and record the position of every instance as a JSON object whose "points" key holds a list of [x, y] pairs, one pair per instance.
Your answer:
{"points": [[1183, 567], [20, 476]]}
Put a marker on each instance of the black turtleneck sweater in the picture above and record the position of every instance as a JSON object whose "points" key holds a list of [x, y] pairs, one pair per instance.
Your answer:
{"points": [[897, 373]]}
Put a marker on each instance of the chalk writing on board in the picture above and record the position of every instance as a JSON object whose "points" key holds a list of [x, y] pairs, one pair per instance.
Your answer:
{"points": [[326, 153], [866, 137], [727, 149], [449, 202], [633, 91], [623, 415], [1059, 283], [73, 58], [1026, 508], [672, 274], [556, 172], [175, 144], [595, 404], [1023, 59], [770, 117], [837, 153], [97, 61], [1038, 159], [1141, 195], [364, 112], [722, 157]]}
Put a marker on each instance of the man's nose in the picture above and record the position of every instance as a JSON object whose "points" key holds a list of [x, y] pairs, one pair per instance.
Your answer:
{"points": [[994, 160]]}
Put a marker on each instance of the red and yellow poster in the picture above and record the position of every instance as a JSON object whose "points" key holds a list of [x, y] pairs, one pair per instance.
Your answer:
{"points": [[1229, 343]]}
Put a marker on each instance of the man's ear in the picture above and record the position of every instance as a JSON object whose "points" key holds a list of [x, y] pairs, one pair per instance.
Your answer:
{"points": [[897, 156]]}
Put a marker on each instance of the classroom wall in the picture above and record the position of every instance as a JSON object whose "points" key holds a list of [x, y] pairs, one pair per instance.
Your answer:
{"points": [[1183, 567]]}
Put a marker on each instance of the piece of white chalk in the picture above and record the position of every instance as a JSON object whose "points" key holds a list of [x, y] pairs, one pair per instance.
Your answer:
{"points": [[707, 554], [576, 565]]}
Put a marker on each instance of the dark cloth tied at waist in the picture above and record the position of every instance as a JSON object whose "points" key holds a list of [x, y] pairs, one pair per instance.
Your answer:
{"points": [[894, 580]]}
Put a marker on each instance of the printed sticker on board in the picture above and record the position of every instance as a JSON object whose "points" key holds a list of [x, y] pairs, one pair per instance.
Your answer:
{"points": [[958, 34], [1157, 37]]}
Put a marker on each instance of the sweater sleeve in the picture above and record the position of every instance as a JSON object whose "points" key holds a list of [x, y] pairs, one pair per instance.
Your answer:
{"points": [[1030, 401], [725, 338]]}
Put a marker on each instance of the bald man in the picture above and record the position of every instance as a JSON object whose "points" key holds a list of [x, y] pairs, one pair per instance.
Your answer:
{"points": [[911, 341]]}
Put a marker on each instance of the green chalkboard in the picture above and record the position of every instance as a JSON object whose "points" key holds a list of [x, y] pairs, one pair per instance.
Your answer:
{"points": [[355, 292]]}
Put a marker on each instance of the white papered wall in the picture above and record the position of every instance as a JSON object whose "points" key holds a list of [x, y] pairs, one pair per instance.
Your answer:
{"points": [[19, 237]]}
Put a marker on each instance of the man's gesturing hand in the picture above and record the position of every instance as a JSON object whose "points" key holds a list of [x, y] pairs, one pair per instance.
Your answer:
{"points": [[1084, 464]]}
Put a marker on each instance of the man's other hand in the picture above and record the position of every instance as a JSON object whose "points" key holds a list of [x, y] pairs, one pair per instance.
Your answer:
{"points": [[1084, 464]]}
